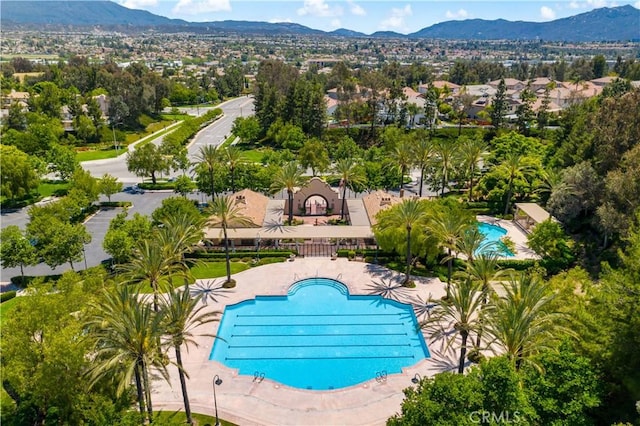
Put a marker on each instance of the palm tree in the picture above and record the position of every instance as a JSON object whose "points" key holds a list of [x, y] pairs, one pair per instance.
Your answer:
{"points": [[449, 228], [288, 177], [351, 176], [513, 164], [224, 213], [209, 157], [152, 261], [182, 315], [179, 234], [127, 333], [458, 312], [445, 156], [473, 151], [232, 156], [423, 155], [485, 270], [470, 243], [402, 155], [408, 214], [522, 321]]}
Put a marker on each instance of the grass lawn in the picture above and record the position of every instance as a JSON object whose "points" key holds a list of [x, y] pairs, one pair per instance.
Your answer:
{"points": [[253, 155], [202, 271], [99, 154], [178, 417]]}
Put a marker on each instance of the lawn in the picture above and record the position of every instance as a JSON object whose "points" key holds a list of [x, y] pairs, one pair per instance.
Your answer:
{"points": [[202, 271], [100, 154], [178, 417], [253, 155]]}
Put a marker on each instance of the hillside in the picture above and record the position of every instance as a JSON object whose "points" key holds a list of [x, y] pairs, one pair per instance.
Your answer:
{"points": [[605, 24]]}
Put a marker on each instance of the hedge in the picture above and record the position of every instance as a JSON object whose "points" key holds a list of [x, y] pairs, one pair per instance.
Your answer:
{"points": [[190, 127], [7, 295], [240, 254], [518, 265]]}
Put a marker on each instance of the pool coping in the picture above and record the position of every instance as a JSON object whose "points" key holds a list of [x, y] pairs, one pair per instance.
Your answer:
{"points": [[246, 401]]}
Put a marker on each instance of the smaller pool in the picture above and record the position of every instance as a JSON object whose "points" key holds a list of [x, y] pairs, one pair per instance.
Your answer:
{"points": [[493, 234]]}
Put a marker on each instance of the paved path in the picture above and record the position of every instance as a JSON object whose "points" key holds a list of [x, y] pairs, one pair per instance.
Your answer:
{"points": [[246, 402]]}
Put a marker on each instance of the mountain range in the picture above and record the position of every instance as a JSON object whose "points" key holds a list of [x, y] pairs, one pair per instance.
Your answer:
{"points": [[605, 24]]}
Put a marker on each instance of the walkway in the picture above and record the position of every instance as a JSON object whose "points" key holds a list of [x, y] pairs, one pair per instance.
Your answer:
{"points": [[247, 402]]}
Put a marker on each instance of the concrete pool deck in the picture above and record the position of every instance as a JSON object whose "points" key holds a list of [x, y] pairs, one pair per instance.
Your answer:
{"points": [[246, 401]]}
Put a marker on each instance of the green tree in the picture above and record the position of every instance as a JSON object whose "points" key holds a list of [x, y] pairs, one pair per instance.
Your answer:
{"points": [[62, 160], [57, 241], [82, 180], [314, 155], [208, 158], [549, 241], [513, 166], [16, 249], [565, 389], [522, 320], [459, 312], [445, 158], [127, 334], [288, 177], [17, 173], [109, 185], [147, 160], [174, 207], [232, 158], [473, 151], [351, 176], [225, 214], [402, 156], [422, 149], [401, 220], [246, 128], [122, 235], [498, 108], [182, 316], [184, 185]]}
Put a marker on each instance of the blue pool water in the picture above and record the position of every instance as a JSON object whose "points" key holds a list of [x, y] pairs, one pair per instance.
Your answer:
{"points": [[319, 337], [492, 234]]}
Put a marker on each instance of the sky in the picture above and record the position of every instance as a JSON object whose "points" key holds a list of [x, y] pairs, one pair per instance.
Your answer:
{"points": [[368, 16]]}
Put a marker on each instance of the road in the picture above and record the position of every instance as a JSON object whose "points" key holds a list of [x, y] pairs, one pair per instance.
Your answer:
{"points": [[214, 134]]}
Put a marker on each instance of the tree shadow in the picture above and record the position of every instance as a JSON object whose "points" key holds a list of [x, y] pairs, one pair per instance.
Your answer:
{"points": [[388, 289], [209, 290], [383, 273], [422, 307]]}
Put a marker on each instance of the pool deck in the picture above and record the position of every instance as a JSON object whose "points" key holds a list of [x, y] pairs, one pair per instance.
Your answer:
{"points": [[518, 236], [245, 401]]}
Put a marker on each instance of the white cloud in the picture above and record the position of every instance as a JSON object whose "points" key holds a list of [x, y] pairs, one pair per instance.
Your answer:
{"points": [[457, 15], [319, 8], [189, 7], [138, 4], [547, 13], [335, 23], [356, 9], [279, 20], [637, 4], [593, 4], [396, 19]]}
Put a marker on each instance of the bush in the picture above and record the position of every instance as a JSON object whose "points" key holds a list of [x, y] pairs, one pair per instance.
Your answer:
{"points": [[518, 265], [269, 260], [7, 295], [157, 186], [116, 204], [475, 356], [240, 254], [351, 254]]}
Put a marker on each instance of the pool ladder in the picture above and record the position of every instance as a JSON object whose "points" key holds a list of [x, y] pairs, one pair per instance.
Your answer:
{"points": [[381, 376], [258, 376]]}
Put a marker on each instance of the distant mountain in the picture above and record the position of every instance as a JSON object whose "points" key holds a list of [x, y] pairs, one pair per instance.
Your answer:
{"points": [[605, 24]]}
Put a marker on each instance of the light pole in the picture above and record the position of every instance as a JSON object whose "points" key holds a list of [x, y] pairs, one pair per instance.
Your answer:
{"points": [[258, 247], [216, 381]]}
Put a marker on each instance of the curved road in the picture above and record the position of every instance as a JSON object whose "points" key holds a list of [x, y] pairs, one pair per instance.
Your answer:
{"points": [[214, 134]]}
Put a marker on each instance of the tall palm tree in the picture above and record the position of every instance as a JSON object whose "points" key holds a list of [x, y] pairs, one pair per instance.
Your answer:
{"points": [[513, 165], [232, 156], [470, 243], [224, 213], [351, 176], [209, 157], [485, 270], [182, 316], [288, 177], [127, 334], [423, 155], [180, 234], [523, 322], [402, 155], [449, 228], [152, 261], [473, 150], [408, 214], [446, 152], [458, 312]]}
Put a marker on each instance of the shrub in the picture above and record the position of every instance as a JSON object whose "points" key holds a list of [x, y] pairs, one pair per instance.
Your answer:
{"points": [[351, 254], [8, 295]]}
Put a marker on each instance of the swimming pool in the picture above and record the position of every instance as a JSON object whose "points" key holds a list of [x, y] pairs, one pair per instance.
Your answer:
{"points": [[493, 234], [319, 337]]}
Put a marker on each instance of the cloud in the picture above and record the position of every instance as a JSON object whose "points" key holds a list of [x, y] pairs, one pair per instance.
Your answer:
{"points": [[319, 8], [189, 7], [547, 13], [280, 20], [637, 4], [356, 9], [396, 19], [335, 23], [138, 4], [593, 4], [457, 15]]}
